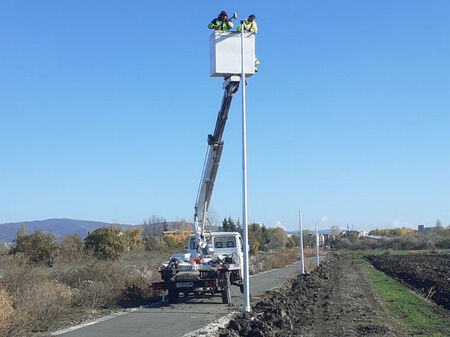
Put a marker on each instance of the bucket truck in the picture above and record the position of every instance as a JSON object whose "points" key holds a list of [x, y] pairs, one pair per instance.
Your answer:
{"points": [[213, 261]]}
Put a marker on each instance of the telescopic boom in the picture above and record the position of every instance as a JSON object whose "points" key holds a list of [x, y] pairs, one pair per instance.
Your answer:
{"points": [[210, 167]]}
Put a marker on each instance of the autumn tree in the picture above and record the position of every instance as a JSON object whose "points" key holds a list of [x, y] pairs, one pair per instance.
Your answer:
{"points": [[133, 235]]}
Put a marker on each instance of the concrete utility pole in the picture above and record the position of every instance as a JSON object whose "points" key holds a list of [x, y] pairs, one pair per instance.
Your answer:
{"points": [[246, 305], [317, 246], [302, 256]]}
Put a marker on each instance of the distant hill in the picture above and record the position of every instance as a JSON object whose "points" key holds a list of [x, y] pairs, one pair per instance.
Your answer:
{"points": [[59, 227]]}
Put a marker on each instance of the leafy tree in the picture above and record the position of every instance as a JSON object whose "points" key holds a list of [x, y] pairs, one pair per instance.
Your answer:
{"points": [[107, 243], [292, 241], [277, 238], [38, 247], [259, 234]]}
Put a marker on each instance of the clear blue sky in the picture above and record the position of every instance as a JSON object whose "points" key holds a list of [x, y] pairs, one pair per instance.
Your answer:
{"points": [[105, 107]]}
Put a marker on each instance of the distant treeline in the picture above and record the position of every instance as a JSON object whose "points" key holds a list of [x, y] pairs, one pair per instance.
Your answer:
{"points": [[403, 239]]}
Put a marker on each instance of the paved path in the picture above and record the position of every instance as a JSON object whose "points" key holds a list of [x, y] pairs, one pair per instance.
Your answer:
{"points": [[162, 319]]}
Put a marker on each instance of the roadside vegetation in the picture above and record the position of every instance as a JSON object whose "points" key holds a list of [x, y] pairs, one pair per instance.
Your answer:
{"points": [[421, 318], [437, 238], [47, 284]]}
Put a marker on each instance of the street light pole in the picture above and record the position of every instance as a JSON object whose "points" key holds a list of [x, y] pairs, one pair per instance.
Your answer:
{"points": [[317, 246], [302, 256], [246, 305]]}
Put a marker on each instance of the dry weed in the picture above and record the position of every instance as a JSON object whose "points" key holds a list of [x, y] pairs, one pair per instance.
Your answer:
{"points": [[47, 302], [274, 259], [6, 313]]}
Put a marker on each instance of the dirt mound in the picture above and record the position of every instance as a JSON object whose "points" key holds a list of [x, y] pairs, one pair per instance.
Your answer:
{"points": [[333, 300], [428, 274]]}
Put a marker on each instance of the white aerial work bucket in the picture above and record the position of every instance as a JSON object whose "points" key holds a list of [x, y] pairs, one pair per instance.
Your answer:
{"points": [[225, 54]]}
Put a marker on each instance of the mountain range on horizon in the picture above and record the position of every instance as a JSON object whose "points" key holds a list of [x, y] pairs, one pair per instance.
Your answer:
{"points": [[59, 227], [63, 226]]}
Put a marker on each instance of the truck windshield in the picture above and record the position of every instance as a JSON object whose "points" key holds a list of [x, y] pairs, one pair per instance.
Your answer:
{"points": [[193, 243], [225, 242]]}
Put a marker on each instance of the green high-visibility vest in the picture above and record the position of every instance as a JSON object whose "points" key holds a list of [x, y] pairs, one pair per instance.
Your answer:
{"points": [[221, 25], [249, 27]]}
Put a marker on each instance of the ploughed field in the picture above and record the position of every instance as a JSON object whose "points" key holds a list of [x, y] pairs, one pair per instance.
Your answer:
{"points": [[335, 299], [427, 274]]}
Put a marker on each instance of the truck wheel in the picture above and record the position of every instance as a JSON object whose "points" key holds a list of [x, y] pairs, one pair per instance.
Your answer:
{"points": [[172, 296], [226, 291]]}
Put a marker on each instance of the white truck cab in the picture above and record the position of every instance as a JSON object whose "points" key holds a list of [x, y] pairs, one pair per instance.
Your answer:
{"points": [[223, 243]]}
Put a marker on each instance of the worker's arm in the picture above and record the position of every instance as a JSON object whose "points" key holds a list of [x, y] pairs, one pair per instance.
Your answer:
{"points": [[255, 28], [212, 24]]}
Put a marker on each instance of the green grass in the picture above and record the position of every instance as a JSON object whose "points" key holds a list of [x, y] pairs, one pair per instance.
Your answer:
{"points": [[408, 308]]}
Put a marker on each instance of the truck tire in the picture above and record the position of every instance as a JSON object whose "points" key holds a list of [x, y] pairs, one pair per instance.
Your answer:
{"points": [[173, 295], [226, 291]]}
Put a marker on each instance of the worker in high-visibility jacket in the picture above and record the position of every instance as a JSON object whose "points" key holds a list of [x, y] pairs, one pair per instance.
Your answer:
{"points": [[250, 27], [221, 22]]}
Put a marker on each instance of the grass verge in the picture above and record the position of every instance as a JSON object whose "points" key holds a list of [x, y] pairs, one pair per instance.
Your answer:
{"points": [[408, 308]]}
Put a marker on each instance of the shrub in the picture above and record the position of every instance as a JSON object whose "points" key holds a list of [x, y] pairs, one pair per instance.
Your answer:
{"points": [[107, 243], [36, 300], [3, 248], [279, 258], [106, 284], [443, 243], [37, 247], [47, 301], [70, 249], [17, 280], [254, 246], [6, 313]]}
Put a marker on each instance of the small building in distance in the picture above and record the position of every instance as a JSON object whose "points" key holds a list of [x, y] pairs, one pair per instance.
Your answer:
{"points": [[363, 233], [424, 230], [177, 234], [312, 239]]}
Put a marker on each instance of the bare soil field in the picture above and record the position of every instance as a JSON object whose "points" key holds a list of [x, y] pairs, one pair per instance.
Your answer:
{"points": [[333, 300], [427, 274]]}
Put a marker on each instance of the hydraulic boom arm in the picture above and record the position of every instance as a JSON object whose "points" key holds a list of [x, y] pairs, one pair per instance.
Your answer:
{"points": [[211, 165]]}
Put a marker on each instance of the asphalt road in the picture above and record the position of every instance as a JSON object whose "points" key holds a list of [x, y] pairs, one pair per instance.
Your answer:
{"points": [[162, 319]]}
